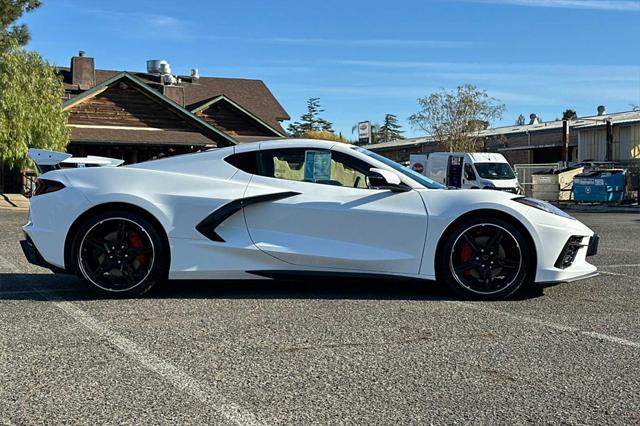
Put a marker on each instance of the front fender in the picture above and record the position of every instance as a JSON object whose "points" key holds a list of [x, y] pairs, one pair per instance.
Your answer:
{"points": [[444, 207]]}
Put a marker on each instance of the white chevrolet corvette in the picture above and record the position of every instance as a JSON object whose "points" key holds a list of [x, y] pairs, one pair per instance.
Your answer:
{"points": [[270, 209]]}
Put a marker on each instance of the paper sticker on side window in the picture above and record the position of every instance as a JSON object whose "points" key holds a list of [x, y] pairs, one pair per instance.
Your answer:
{"points": [[317, 165]]}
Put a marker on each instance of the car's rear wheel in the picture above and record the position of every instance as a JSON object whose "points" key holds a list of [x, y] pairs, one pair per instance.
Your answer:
{"points": [[485, 258], [120, 254]]}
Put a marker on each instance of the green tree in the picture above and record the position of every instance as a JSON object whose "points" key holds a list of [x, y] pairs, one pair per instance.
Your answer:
{"points": [[521, 121], [569, 114], [324, 135], [11, 11], [31, 113], [311, 120], [390, 129], [451, 116]]}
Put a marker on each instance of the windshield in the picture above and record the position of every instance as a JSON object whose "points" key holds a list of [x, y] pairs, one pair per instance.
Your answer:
{"points": [[422, 180], [494, 170]]}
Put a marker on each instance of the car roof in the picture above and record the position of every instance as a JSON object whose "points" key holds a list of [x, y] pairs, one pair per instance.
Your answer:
{"points": [[286, 143]]}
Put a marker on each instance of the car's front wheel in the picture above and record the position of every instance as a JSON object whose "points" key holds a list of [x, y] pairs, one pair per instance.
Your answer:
{"points": [[485, 258], [119, 254]]}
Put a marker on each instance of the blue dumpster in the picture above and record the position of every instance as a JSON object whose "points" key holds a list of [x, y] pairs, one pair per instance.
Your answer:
{"points": [[600, 186]]}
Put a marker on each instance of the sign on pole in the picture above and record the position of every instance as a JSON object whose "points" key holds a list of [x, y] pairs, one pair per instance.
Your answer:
{"points": [[364, 132], [418, 163]]}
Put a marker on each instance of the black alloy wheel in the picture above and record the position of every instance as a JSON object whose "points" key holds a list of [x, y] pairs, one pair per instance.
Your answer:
{"points": [[487, 259], [119, 253]]}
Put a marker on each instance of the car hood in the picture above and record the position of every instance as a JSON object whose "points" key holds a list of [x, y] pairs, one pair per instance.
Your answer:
{"points": [[503, 183]]}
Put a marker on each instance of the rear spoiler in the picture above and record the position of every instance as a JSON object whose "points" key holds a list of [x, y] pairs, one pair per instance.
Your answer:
{"points": [[52, 160]]}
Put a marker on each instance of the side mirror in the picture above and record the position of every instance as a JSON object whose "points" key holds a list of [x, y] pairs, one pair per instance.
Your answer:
{"points": [[385, 179]]}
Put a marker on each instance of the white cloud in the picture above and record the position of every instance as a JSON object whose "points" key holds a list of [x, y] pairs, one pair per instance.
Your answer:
{"points": [[498, 71], [367, 42], [314, 41], [623, 5]]}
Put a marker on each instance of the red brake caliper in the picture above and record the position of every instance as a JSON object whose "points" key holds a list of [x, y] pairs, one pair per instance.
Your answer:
{"points": [[465, 255], [136, 242]]}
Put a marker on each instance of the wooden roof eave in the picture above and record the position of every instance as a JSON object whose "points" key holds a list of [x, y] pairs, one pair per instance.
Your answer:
{"points": [[154, 95], [251, 115]]}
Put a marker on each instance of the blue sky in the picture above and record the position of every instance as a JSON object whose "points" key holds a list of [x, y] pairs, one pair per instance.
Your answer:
{"points": [[368, 58]]}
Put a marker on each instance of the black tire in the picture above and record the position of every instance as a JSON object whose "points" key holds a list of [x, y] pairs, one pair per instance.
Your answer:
{"points": [[485, 258], [119, 254]]}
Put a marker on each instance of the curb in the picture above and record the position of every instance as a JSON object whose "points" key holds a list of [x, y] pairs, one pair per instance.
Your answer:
{"points": [[601, 209], [21, 209]]}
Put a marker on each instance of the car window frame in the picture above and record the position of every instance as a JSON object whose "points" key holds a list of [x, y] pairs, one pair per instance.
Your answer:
{"points": [[473, 172], [346, 160]]}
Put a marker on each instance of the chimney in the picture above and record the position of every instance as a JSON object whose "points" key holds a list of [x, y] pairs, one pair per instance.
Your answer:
{"points": [[602, 110], [83, 72], [534, 119], [175, 93]]}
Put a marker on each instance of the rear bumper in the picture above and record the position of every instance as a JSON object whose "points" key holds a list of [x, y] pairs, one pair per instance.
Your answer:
{"points": [[35, 258]]}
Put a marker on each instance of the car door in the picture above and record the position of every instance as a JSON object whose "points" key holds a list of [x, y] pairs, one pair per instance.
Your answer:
{"points": [[469, 176], [326, 216]]}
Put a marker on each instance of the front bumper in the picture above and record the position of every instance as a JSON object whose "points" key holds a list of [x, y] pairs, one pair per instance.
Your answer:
{"points": [[553, 234], [592, 249], [574, 244]]}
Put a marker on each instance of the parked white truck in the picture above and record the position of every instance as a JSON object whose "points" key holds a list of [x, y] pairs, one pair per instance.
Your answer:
{"points": [[474, 170]]}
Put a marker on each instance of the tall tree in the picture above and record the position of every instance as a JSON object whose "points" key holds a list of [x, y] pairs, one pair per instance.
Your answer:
{"points": [[11, 11], [390, 129], [521, 121], [452, 116], [311, 120], [569, 114], [31, 113]]}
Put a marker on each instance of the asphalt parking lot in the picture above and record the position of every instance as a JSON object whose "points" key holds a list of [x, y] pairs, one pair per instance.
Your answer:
{"points": [[313, 352]]}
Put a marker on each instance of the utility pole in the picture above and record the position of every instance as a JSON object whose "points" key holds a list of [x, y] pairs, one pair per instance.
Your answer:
{"points": [[565, 141], [609, 139]]}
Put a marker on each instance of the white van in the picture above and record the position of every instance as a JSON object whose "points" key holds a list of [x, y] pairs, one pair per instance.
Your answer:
{"points": [[474, 170]]}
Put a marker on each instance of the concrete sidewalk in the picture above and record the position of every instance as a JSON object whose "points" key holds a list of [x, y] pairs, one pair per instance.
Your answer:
{"points": [[14, 201]]}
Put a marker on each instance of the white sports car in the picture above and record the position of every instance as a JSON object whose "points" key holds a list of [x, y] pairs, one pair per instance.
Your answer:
{"points": [[265, 210]]}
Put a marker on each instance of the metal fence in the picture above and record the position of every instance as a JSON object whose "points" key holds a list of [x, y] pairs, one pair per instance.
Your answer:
{"points": [[28, 178], [525, 172]]}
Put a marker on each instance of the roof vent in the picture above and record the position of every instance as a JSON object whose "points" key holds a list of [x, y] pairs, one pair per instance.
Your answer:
{"points": [[602, 110], [158, 66], [168, 79], [534, 119]]}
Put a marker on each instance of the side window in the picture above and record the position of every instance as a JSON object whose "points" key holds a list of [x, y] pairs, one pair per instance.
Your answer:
{"points": [[349, 171], [245, 161], [314, 165], [468, 172]]}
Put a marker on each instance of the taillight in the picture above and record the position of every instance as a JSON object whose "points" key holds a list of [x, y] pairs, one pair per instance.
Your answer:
{"points": [[45, 186]]}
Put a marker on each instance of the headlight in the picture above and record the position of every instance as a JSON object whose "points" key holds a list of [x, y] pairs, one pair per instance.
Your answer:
{"points": [[542, 205]]}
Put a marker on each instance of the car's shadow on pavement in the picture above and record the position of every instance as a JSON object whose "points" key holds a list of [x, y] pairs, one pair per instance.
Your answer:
{"points": [[68, 287]]}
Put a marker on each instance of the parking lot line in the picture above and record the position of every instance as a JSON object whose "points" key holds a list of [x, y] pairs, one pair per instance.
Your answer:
{"points": [[619, 274], [231, 411], [552, 325], [168, 371], [619, 249], [5, 264], [619, 266]]}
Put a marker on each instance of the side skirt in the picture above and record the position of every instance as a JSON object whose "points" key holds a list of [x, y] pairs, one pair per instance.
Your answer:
{"points": [[289, 274]]}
